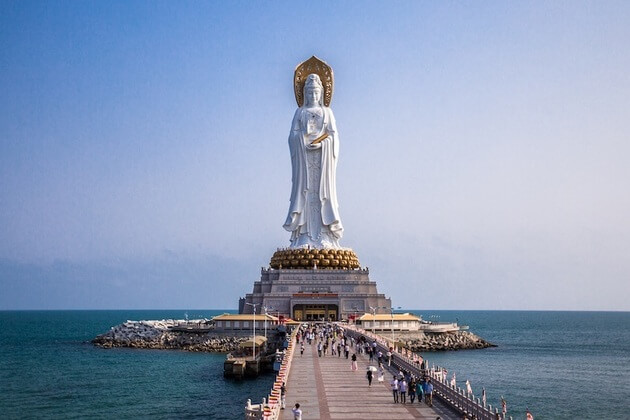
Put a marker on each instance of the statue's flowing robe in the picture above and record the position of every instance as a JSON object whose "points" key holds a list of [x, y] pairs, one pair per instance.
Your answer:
{"points": [[297, 218]]}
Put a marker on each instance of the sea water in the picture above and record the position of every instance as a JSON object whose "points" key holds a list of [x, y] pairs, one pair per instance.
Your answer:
{"points": [[48, 369], [560, 365]]}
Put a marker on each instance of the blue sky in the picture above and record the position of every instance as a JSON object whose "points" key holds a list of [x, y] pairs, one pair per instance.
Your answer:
{"points": [[484, 149]]}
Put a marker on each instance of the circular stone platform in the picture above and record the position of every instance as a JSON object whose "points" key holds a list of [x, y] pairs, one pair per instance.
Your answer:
{"points": [[303, 258]]}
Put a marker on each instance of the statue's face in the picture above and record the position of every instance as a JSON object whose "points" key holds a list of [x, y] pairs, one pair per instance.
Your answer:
{"points": [[313, 95]]}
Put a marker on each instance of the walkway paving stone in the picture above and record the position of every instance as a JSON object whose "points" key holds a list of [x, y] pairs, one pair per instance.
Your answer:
{"points": [[327, 388]]}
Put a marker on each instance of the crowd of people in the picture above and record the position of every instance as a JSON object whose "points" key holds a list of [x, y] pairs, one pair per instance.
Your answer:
{"points": [[331, 340], [408, 385]]}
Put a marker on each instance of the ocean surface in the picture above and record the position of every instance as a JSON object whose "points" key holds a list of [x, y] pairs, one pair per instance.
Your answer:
{"points": [[560, 365]]}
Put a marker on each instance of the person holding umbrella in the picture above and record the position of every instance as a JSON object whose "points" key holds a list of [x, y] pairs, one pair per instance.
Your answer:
{"points": [[370, 375]]}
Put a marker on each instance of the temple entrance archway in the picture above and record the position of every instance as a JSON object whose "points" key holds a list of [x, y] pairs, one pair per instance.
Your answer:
{"points": [[315, 312]]}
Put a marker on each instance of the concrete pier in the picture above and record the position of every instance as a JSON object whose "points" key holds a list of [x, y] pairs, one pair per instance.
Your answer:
{"points": [[327, 388]]}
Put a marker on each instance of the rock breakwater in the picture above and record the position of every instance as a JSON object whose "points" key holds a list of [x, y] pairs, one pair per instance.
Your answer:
{"points": [[460, 340], [158, 335]]}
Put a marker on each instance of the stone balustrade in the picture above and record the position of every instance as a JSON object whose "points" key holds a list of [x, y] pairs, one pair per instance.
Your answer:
{"points": [[269, 408]]}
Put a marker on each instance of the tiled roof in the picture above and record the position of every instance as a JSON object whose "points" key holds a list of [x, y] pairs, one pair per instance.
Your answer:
{"points": [[244, 317], [388, 317], [260, 340]]}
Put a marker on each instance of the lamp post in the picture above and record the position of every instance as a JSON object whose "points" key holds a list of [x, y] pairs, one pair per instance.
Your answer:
{"points": [[374, 308], [253, 329], [356, 309], [266, 308], [392, 311]]}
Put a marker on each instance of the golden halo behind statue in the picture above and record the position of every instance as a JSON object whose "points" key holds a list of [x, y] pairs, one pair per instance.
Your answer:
{"points": [[318, 67]]}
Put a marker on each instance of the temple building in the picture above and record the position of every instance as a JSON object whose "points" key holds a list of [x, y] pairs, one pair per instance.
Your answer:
{"points": [[314, 294]]}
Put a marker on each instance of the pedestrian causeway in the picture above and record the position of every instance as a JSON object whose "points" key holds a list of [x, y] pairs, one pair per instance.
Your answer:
{"points": [[327, 388]]}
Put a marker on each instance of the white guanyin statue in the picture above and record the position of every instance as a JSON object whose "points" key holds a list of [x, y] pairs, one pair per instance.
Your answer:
{"points": [[313, 217]]}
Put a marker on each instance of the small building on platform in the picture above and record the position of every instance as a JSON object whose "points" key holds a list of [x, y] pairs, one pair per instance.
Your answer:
{"points": [[246, 348], [397, 322], [243, 323]]}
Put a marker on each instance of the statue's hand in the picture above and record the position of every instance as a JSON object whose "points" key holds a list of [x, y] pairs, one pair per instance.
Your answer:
{"points": [[314, 146]]}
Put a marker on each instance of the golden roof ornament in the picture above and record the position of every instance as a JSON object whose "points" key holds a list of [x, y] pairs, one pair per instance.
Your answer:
{"points": [[313, 66]]}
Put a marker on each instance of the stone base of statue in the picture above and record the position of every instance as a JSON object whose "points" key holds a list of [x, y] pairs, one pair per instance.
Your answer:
{"points": [[301, 288]]}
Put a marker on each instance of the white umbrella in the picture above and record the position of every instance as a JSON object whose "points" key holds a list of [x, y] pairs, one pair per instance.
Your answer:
{"points": [[372, 368]]}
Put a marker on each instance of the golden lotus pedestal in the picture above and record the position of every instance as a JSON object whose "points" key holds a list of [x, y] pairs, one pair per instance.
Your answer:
{"points": [[315, 285], [343, 259]]}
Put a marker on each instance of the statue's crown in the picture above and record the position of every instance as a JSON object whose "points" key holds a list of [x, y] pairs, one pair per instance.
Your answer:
{"points": [[313, 80]]}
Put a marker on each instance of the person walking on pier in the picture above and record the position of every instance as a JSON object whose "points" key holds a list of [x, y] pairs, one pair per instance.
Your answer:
{"points": [[420, 390], [353, 365], [381, 374], [402, 389], [370, 375], [319, 349], [347, 350], [412, 390], [394, 385], [428, 392], [297, 413]]}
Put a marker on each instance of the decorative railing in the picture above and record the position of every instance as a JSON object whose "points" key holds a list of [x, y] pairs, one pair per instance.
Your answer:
{"points": [[455, 398], [269, 408]]}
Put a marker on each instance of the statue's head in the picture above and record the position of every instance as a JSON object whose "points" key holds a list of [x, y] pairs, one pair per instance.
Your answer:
{"points": [[313, 90]]}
